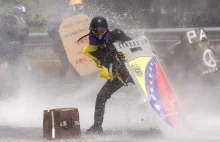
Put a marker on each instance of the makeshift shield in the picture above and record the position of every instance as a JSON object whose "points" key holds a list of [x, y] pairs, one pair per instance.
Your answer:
{"points": [[150, 79], [70, 31], [199, 51]]}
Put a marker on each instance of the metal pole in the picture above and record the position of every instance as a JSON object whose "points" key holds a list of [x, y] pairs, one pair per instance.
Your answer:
{"points": [[179, 13]]}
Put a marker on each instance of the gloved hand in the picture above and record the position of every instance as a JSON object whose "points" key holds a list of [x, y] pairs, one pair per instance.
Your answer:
{"points": [[122, 56], [124, 75]]}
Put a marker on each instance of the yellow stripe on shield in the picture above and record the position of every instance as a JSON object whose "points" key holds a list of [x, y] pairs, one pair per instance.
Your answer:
{"points": [[138, 66]]}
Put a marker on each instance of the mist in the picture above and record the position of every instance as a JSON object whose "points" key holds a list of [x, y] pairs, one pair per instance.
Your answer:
{"points": [[126, 109]]}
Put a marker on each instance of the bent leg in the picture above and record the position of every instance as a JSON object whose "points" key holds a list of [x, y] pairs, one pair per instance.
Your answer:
{"points": [[104, 94]]}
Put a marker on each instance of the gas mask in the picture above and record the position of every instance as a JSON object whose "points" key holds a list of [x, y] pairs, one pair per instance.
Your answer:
{"points": [[99, 33]]}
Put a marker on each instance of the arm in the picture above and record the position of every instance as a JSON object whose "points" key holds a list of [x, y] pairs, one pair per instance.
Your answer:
{"points": [[114, 57], [119, 35], [21, 29], [53, 29], [16, 28], [113, 54], [87, 51]]}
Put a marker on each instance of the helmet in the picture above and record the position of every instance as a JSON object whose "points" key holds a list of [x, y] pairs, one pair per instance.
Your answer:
{"points": [[73, 2], [98, 22], [19, 10], [99, 27]]}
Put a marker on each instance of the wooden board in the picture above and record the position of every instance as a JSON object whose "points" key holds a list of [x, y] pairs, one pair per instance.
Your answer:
{"points": [[70, 31]]}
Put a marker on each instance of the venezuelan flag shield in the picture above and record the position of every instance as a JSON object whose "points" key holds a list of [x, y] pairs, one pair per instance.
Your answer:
{"points": [[148, 75]]}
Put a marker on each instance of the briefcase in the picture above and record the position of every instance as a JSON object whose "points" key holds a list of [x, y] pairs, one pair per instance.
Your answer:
{"points": [[61, 123]]}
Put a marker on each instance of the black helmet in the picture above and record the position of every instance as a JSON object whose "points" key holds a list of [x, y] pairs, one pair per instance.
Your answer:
{"points": [[19, 10], [98, 22]]}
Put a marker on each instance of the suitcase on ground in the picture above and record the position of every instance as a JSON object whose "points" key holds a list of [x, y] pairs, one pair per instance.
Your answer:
{"points": [[61, 123]]}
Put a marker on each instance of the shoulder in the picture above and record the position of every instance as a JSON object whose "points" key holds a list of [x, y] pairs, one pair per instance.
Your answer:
{"points": [[119, 35], [117, 32], [8, 18]]}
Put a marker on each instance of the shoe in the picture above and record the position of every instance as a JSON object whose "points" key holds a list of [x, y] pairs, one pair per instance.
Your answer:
{"points": [[95, 130]]}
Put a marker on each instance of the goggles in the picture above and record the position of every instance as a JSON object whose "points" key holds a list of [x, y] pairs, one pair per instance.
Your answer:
{"points": [[99, 31]]}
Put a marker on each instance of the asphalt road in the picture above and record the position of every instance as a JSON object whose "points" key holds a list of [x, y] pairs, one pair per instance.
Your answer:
{"points": [[21, 134], [35, 134]]}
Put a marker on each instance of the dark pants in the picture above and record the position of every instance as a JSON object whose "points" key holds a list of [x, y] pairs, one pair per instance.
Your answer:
{"points": [[105, 93], [12, 53], [65, 64]]}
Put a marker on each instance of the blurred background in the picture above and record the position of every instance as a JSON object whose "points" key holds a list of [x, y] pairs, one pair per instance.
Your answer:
{"points": [[139, 13], [124, 14]]}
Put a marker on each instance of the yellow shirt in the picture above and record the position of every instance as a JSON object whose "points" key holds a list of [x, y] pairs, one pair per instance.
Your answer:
{"points": [[105, 72], [87, 51]]}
